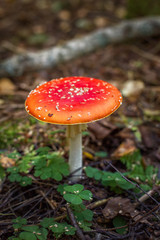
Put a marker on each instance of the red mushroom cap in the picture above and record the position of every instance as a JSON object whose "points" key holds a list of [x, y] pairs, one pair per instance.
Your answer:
{"points": [[73, 100]]}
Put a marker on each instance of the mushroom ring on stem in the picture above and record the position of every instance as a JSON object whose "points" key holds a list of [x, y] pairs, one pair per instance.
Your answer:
{"points": [[73, 101]]}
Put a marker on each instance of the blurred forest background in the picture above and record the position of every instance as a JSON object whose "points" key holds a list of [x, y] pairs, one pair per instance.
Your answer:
{"points": [[128, 138]]}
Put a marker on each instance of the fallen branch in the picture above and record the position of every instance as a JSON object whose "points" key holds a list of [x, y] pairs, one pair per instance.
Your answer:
{"points": [[31, 61]]}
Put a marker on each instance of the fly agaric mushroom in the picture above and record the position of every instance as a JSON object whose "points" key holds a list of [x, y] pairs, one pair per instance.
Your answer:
{"points": [[73, 101]]}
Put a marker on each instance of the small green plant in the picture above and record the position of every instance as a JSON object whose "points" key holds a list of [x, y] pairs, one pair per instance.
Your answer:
{"points": [[52, 166], [136, 172], [83, 216], [58, 228], [113, 180], [9, 133], [18, 223], [22, 231], [25, 232], [116, 182], [131, 159], [45, 163], [16, 177], [75, 195]]}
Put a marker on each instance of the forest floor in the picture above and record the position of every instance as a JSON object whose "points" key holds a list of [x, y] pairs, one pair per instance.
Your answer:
{"points": [[126, 143]]}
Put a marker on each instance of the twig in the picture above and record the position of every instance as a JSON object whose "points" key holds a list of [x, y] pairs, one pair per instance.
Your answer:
{"points": [[47, 200], [146, 214], [75, 224], [126, 30], [146, 196], [97, 203]]}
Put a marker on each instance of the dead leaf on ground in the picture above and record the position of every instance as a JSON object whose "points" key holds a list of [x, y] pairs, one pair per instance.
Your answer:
{"points": [[126, 133], [7, 162], [6, 86], [124, 148], [122, 206], [150, 136], [101, 129], [116, 206]]}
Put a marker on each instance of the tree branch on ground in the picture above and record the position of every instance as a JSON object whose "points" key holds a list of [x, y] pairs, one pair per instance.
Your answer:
{"points": [[49, 58]]}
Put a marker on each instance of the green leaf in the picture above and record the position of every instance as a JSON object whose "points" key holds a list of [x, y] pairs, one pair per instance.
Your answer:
{"points": [[124, 184], [13, 170], [119, 221], [98, 175], [108, 179], [90, 172], [130, 159], [87, 214], [42, 234], [25, 181], [57, 228], [2, 172], [27, 236], [47, 222], [19, 222], [14, 155], [60, 188], [84, 216], [101, 154], [93, 173], [46, 174], [53, 166], [56, 175], [76, 188], [151, 172], [43, 150], [25, 164], [69, 230], [30, 228], [145, 187], [86, 195], [15, 177], [72, 198], [85, 225], [138, 173], [34, 232]]}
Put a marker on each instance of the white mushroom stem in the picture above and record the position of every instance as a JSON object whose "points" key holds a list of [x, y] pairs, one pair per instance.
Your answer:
{"points": [[74, 134]]}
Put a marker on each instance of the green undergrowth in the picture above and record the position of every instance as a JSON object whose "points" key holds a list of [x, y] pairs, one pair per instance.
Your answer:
{"points": [[44, 164], [10, 135], [14, 134], [135, 177], [74, 196]]}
